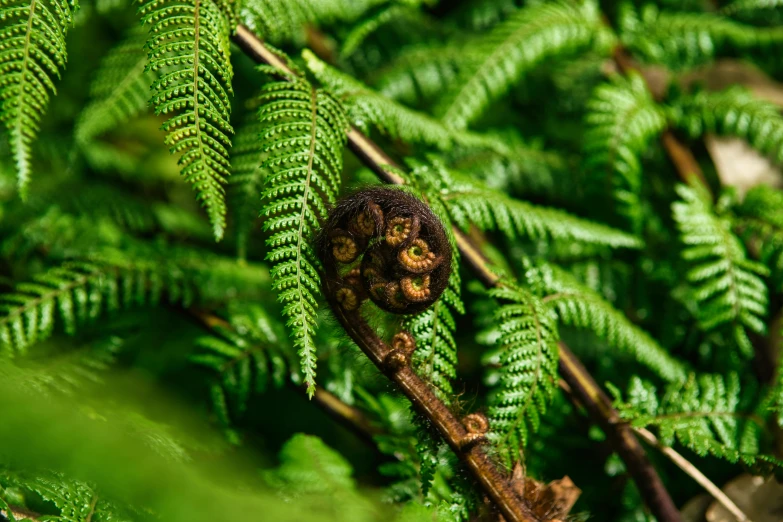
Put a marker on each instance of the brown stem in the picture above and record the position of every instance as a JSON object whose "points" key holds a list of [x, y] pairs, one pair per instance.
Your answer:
{"points": [[654, 493]]}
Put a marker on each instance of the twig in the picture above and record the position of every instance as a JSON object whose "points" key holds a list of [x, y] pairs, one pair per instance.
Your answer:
{"points": [[694, 473], [650, 485]]}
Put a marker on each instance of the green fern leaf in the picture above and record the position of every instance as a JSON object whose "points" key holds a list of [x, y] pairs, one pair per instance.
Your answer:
{"points": [[303, 135], [759, 222], [244, 357], [726, 285], [120, 90], [419, 74], [622, 119], [681, 40], [701, 413], [578, 306], [189, 48], [497, 61], [32, 54], [528, 372], [734, 112], [247, 176], [469, 205]]}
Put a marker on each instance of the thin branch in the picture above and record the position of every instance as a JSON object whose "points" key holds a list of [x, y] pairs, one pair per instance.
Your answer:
{"points": [[682, 463], [649, 483]]}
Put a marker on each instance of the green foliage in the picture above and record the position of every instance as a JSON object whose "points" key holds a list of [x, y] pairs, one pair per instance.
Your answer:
{"points": [[470, 204], [622, 120], [759, 222], [727, 287], [189, 48], [32, 55], [528, 369], [303, 135], [701, 413], [244, 357], [734, 112], [120, 90], [578, 306], [495, 62], [681, 40]]}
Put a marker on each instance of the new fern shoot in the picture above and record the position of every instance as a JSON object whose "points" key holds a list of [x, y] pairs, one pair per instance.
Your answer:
{"points": [[389, 260]]}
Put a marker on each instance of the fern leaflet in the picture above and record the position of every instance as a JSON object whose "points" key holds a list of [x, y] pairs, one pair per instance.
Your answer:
{"points": [[509, 51], [702, 413], [726, 285], [759, 222], [528, 372], [120, 90], [189, 48], [32, 53], [622, 120], [303, 135], [734, 112]]}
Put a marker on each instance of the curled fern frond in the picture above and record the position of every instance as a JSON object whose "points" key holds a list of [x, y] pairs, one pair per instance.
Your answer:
{"points": [[528, 371], [120, 90], [32, 54], [244, 357], [702, 413], [469, 204], [734, 112], [497, 61], [578, 306], [727, 286], [303, 135], [622, 119], [189, 48], [682, 40]]}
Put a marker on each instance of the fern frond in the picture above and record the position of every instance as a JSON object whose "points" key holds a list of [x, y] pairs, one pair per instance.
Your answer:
{"points": [[189, 48], [285, 20], [120, 90], [419, 74], [247, 176], [364, 106], [734, 112], [303, 135], [622, 119], [494, 63], [682, 40], [759, 222], [392, 13], [701, 413], [469, 204], [727, 287], [32, 54], [244, 358], [528, 369], [578, 306], [435, 357], [739, 6]]}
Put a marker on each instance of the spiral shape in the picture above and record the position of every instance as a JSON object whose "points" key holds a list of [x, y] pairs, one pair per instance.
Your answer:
{"points": [[385, 245]]}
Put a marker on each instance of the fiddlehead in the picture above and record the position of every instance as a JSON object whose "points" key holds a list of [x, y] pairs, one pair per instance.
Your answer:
{"points": [[383, 246]]}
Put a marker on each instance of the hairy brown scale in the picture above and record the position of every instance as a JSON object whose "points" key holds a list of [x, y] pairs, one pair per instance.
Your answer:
{"points": [[399, 245]]}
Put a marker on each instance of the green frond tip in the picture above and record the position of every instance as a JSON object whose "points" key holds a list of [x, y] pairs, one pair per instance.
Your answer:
{"points": [[702, 413], [727, 286], [734, 112], [303, 132], [759, 220], [581, 307], [622, 120], [32, 55], [188, 48], [120, 90], [495, 62], [528, 373], [469, 204]]}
